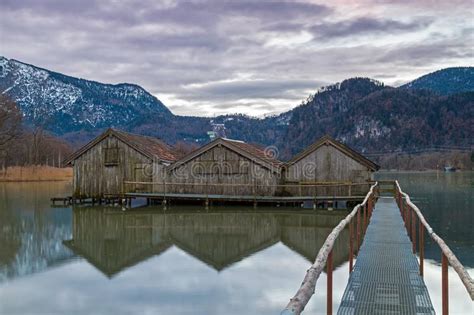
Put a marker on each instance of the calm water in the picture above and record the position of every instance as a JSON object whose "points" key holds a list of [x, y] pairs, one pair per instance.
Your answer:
{"points": [[186, 260]]}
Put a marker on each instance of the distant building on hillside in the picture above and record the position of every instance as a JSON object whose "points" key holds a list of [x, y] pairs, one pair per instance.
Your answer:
{"points": [[218, 131], [101, 166]]}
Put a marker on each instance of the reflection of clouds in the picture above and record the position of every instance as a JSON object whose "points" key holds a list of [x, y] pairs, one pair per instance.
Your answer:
{"points": [[177, 283], [459, 300], [172, 283]]}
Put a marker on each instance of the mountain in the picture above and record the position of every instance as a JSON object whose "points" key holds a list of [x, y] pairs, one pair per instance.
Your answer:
{"points": [[362, 112], [325, 111], [66, 104], [446, 81]]}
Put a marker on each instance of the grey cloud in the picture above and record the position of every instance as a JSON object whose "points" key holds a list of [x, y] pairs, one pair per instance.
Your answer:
{"points": [[425, 53], [254, 88], [196, 51], [365, 25]]}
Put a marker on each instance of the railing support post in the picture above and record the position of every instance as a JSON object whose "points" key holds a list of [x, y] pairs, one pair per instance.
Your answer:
{"points": [[329, 284], [358, 230], [351, 246], [402, 212], [409, 222], [444, 284], [422, 248], [413, 231], [365, 217]]}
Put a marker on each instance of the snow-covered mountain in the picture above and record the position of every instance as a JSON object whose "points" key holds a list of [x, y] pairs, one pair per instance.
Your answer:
{"points": [[66, 104], [434, 110]]}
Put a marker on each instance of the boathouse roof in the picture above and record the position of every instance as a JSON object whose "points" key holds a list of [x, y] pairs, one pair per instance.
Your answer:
{"points": [[253, 152], [152, 148], [328, 140]]}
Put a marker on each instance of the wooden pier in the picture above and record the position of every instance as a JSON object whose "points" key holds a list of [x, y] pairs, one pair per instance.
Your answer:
{"points": [[385, 234], [314, 195], [208, 198]]}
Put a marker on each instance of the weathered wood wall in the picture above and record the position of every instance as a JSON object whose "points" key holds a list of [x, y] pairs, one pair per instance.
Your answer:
{"points": [[213, 171], [93, 178], [328, 164]]}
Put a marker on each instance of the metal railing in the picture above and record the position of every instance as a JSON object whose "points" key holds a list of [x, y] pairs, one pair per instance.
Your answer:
{"points": [[362, 213], [411, 215]]}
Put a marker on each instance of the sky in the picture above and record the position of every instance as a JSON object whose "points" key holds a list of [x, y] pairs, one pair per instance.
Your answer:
{"points": [[258, 58]]}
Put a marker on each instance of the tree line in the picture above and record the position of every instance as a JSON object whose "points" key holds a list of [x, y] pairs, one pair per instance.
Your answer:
{"points": [[22, 145]]}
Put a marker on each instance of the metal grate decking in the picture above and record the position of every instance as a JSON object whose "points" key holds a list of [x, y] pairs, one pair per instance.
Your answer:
{"points": [[385, 278]]}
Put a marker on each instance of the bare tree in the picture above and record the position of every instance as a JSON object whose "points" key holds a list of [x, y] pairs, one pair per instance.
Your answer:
{"points": [[10, 125], [10, 120]]}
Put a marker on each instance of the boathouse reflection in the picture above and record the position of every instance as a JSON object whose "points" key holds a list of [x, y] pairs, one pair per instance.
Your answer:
{"points": [[113, 240]]}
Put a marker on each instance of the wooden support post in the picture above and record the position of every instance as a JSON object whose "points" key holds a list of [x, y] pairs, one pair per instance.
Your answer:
{"points": [[351, 246], [329, 284], [421, 248], [444, 284]]}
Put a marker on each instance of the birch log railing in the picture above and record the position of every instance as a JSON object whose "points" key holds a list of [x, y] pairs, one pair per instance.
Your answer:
{"points": [[324, 257], [410, 213]]}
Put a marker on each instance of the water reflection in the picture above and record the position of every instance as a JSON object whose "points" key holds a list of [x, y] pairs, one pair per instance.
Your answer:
{"points": [[188, 261], [31, 233], [446, 200], [113, 240]]}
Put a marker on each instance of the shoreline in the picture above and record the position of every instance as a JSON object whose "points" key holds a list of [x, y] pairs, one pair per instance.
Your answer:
{"points": [[33, 180], [36, 174]]}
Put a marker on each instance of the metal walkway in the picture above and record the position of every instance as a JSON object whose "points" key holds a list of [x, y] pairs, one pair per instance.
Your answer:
{"points": [[385, 278]]}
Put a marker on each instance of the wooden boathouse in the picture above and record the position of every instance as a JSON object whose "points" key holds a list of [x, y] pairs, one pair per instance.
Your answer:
{"points": [[121, 165], [225, 167], [329, 161], [102, 165]]}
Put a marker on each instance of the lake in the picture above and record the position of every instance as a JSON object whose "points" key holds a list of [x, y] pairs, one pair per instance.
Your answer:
{"points": [[188, 260]]}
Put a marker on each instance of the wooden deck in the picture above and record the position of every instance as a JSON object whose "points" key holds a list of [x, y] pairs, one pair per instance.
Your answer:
{"points": [[240, 198]]}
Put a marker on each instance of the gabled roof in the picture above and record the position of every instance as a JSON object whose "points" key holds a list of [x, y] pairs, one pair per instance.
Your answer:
{"points": [[327, 140], [250, 151], [112, 264], [150, 147], [207, 254]]}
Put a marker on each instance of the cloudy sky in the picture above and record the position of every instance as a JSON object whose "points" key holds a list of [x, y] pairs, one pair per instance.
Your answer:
{"points": [[254, 57]]}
